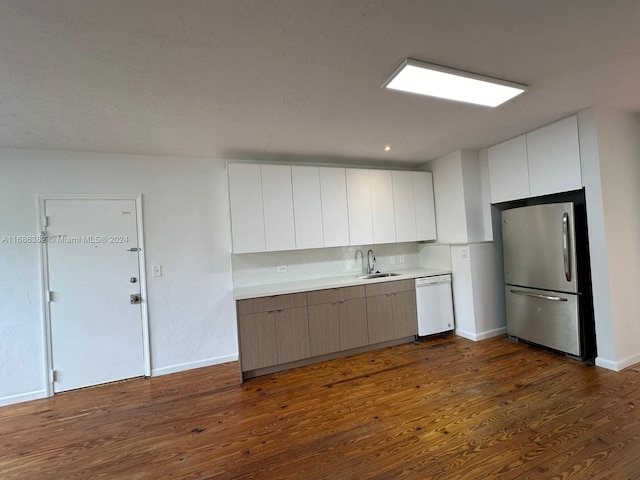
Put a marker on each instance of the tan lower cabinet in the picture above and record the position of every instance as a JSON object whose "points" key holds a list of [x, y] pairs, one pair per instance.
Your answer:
{"points": [[292, 334], [272, 330], [353, 324], [257, 334], [380, 318], [337, 319], [324, 329], [289, 330], [391, 308], [405, 313]]}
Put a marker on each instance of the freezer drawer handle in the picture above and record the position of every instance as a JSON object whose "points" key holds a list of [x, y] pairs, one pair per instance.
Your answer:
{"points": [[537, 295]]}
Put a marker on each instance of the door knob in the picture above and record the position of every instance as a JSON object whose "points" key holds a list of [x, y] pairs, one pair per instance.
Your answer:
{"points": [[133, 279], [135, 298]]}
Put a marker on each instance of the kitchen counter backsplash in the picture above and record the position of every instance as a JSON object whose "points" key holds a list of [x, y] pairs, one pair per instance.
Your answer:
{"points": [[252, 269]]}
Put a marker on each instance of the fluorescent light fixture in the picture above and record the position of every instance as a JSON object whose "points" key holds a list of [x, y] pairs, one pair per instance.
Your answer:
{"points": [[444, 82]]}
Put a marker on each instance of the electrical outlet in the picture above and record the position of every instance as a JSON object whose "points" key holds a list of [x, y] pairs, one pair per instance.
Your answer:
{"points": [[281, 269], [157, 270], [401, 258], [392, 260], [465, 253]]}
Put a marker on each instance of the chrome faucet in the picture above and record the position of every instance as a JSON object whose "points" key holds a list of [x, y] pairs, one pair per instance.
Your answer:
{"points": [[371, 262]]}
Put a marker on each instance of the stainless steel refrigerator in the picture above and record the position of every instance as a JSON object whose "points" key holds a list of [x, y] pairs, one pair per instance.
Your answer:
{"points": [[544, 303]]}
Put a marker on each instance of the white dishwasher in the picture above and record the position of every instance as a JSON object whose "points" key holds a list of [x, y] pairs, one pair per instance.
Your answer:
{"points": [[435, 304]]}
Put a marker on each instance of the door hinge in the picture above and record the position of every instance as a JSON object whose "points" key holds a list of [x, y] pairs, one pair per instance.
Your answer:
{"points": [[45, 221], [54, 376], [49, 296]]}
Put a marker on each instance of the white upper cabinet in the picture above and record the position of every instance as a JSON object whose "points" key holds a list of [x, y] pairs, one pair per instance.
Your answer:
{"points": [[307, 207], [509, 170], [282, 207], [245, 197], [277, 202], [554, 158], [335, 218], [404, 203], [414, 206], [359, 205], [424, 206], [542, 162], [382, 210]]}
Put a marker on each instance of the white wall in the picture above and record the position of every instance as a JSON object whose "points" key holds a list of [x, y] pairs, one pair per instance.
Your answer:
{"points": [[472, 188], [461, 189], [487, 209], [488, 289], [251, 269], [448, 192], [463, 213], [610, 151], [478, 290], [435, 255], [185, 211]]}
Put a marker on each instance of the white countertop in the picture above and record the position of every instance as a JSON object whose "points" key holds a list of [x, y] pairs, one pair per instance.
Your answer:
{"points": [[329, 282]]}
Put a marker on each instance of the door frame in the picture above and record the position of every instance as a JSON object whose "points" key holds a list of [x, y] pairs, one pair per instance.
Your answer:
{"points": [[44, 280]]}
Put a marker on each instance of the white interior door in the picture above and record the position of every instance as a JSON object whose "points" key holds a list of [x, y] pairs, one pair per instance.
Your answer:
{"points": [[96, 333]]}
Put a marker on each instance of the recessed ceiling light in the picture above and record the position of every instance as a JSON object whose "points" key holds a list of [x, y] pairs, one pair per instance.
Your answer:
{"points": [[387, 148], [444, 82]]}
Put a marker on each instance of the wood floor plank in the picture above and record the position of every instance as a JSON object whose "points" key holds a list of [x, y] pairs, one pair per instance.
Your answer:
{"points": [[444, 408]]}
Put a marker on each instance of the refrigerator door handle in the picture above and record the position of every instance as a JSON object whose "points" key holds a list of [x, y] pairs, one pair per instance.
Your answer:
{"points": [[537, 295], [565, 246]]}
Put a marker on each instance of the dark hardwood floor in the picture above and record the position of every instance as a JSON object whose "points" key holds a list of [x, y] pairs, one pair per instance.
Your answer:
{"points": [[443, 408]]}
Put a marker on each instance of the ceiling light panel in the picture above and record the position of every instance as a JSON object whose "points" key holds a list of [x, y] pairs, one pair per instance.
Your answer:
{"points": [[444, 82]]}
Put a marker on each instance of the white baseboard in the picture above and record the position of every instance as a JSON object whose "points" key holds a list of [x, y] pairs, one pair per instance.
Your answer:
{"points": [[22, 397], [476, 337], [491, 333], [191, 365], [616, 366]]}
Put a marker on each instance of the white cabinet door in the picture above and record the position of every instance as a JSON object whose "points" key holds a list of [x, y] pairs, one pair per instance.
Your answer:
{"points": [[508, 170], [554, 158], [359, 205], [382, 210], [425, 206], [277, 202], [307, 207], [404, 204], [245, 197], [335, 219]]}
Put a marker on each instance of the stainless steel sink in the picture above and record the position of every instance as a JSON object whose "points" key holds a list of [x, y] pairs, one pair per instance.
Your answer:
{"points": [[377, 275]]}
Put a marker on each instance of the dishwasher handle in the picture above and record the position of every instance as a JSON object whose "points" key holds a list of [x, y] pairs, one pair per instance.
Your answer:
{"points": [[431, 281]]}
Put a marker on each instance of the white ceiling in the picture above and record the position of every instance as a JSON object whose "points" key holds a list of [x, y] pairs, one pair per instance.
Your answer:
{"points": [[300, 79]]}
